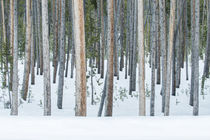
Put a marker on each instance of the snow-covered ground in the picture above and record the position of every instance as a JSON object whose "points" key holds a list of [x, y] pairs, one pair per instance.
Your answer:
{"points": [[116, 128], [31, 125], [124, 104]]}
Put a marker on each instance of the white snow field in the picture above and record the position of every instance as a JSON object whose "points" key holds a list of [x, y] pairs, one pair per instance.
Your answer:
{"points": [[116, 128], [125, 123]]}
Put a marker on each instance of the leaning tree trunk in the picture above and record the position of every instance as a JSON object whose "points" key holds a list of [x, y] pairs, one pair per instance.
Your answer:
{"points": [[110, 44], [79, 37], [27, 63], [46, 59], [169, 58]]}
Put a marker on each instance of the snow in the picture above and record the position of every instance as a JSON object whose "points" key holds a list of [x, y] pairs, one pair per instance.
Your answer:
{"points": [[116, 128], [124, 104], [125, 125]]}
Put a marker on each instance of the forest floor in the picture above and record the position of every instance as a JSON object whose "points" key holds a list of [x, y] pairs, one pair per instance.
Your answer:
{"points": [[124, 104], [125, 122]]}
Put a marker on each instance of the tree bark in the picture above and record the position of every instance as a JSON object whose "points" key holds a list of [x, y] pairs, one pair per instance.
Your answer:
{"points": [[27, 63], [110, 43], [46, 58], [62, 56], [14, 107], [141, 66], [79, 37], [163, 38], [153, 48], [196, 61], [169, 58]]}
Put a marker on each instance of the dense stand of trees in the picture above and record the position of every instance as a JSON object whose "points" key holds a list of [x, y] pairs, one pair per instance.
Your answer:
{"points": [[89, 33]]}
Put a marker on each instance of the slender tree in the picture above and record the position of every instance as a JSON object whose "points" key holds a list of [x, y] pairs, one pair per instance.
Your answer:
{"points": [[79, 39], [62, 56], [102, 40], [14, 107], [153, 48], [207, 55], [196, 3], [169, 58], [110, 43], [142, 109], [163, 48], [27, 63], [46, 51]]}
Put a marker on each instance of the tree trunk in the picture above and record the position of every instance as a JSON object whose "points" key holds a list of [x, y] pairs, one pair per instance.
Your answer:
{"points": [[153, 48], [27, 63], [55, 58], [79, 37], [141, 66], [46, 58], [163, 38], [40, 37], [110, 44], [207, 54], [14, 107], [196, 59], [102, 40], [62, 56], [33, 41], [169, 58]]}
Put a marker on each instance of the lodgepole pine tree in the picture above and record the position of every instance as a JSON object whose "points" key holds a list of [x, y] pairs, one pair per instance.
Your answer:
{"points": [[110, 74], [141, 66], [169, 58], [79, 42], [27, 62], [14, 107], [46, 59]]}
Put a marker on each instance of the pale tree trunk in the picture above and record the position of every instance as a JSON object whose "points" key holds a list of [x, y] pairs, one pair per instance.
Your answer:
{"points": [[110, 45], [196, 61], [141, 66], [46, 51], [163, 48], [62, 56], [103, 97], [169, 58], [79, 37], [153, 48], [14, 107], [27, 63]]}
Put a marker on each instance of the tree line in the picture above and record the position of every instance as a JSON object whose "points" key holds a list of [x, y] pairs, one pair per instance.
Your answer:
{"points": [[51, 34]]}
